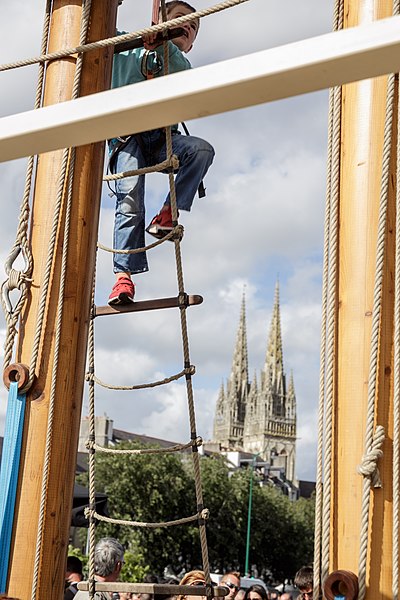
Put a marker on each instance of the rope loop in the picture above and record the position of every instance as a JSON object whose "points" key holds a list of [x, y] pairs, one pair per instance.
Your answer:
{"points": [[6, 288], [17, 279], [172, 163], [12, 257], [175, 233], [369, 464], [185, 372]]}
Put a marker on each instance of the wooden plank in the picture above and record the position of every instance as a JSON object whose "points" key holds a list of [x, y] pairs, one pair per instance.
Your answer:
{"points": [[154, 588], [57, 505], [298, 68], [143, 305]]}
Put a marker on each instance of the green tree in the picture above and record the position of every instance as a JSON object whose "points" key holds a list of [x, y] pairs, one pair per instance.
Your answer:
{"points": [[155, 488], [147, 488]]}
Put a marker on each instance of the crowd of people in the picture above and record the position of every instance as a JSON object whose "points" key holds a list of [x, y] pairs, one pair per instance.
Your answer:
{"points": [[109, 560]]}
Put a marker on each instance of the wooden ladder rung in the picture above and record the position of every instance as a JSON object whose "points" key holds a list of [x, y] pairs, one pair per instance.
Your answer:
{"points": [[146, 305]]}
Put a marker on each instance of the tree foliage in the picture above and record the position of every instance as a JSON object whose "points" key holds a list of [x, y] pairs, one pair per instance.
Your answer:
{"points": [[156, 488]]}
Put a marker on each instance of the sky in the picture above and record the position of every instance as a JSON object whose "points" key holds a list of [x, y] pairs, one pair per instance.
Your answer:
{"points": [[262, 220]]}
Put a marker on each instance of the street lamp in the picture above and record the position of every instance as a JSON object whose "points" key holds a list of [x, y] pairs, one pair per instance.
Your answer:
{"points": [[252, 465]]}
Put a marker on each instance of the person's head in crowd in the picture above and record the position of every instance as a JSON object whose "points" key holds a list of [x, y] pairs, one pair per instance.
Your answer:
{"points": [[304, 580], [231, 580], [286, 596], [256, 592], [74, 569], [108, 559], [195, 577]]}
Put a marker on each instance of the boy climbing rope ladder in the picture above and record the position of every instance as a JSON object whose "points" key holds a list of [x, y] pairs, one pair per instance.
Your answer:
{"points": [[149, 148]]}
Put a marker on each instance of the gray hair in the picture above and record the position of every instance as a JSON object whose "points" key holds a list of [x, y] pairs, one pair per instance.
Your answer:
{"points": [[107, 554]]}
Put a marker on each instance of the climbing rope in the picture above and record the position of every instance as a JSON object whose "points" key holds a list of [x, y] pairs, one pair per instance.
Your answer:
{"points": [[177, 231], [127, 37], [396, 377], [150, 525], [139, 451], [167, 163], [328, 330], [374, 439], [188, 371], [142, 386]]}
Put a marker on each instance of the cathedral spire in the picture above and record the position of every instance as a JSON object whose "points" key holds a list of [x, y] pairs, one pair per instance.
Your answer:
{"points": [[240, 363], [274, 355]]}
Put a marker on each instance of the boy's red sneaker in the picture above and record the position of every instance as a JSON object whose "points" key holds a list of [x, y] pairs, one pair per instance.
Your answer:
{"points": [[161, 225], [122, 292]]}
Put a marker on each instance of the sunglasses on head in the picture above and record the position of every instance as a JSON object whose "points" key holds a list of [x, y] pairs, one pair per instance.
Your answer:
{"points": [[202, 583]]}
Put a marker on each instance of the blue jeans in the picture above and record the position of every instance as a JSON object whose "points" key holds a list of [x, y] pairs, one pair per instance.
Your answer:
{"points": [[195, 156]]}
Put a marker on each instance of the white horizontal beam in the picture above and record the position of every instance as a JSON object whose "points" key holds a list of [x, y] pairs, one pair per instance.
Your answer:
{"points": [[313, 64]]}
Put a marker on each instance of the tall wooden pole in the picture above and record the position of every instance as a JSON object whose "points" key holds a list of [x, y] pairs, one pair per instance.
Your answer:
{"points": [[65, 27], [363, 115]]}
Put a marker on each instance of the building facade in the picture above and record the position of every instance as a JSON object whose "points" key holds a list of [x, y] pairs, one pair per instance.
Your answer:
{"points": [[259, 416]]}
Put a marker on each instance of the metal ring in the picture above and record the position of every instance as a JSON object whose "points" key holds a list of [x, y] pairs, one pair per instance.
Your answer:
{"points": [[344, 583], [16, 372]]}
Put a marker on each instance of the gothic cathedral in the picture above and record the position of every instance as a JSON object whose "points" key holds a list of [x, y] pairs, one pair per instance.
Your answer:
{"points": [[259, 417]]}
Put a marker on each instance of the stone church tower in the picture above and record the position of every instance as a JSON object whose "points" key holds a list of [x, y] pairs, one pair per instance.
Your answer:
{"points": [[259, 417]]}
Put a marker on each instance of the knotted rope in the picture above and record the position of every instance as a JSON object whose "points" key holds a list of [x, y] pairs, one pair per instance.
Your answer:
{"points": [[369, 465]]}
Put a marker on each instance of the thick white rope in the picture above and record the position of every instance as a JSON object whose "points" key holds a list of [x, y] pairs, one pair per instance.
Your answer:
{"points": [[396, 377], [172, 162], [176, 231], [128, 37], [142, 386], [138, 451], [333, 149], [150, 525], [328, 334], [370, 435], [396, 365]]}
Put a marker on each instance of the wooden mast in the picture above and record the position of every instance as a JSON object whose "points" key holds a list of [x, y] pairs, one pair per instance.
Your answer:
{"points": [[362, 126], [65, 27]]}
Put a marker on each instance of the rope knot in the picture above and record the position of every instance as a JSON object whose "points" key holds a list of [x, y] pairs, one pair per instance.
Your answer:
{"points": [[369, 463], [198, 441], [205, 514], [174, 162]]}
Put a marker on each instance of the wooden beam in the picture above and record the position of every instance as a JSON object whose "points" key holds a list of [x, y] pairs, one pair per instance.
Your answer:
{"points": [[362, 128], [317, 63], [143, 305], [65, 27]]}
